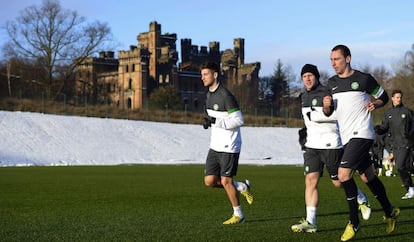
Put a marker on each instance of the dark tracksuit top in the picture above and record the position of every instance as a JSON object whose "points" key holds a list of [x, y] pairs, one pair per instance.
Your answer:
{"points": [[398, 121]]}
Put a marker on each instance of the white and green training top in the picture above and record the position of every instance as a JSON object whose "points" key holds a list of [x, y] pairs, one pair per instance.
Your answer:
{"points": [[225, 132], [350, 95]]}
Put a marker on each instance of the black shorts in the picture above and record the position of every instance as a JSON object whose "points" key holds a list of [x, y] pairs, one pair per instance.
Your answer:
{"points": [[221, 163], [356, 154], [316, 159]]}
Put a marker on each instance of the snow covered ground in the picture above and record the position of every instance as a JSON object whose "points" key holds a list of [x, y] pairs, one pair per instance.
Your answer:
{"points": [[29, 139]]}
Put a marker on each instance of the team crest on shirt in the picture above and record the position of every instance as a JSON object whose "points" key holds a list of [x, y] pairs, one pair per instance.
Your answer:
{"points": [[403, 115], [215, 107], [354, 85], [314, 102]]}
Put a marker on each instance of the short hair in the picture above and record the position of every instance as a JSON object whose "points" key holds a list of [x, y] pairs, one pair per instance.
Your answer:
{"points": [[210, 65], [395, 91], [344, 49]]}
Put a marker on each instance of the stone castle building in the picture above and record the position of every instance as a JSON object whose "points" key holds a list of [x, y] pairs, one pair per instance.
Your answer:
{"points": [[126, 82]]}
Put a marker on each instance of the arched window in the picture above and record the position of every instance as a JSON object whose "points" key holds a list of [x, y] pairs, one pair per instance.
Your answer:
{"points": [[129, 103]]}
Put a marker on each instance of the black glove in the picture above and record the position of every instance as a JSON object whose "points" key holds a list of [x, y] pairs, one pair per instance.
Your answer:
{"points": [[208, 121], [379, 130], [302, 137]]}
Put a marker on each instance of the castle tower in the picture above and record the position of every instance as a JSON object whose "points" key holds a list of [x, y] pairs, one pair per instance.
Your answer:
{"points": [[150, 40], [185, 50], [215, 55], [239, 50]]}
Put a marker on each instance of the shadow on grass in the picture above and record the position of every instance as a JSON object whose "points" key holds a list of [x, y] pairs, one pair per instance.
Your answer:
{"points": [[396, 236], [272, 219]]}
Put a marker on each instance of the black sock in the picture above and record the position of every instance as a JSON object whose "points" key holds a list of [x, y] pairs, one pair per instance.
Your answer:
{"points": [[378, 189], [351, 193]]}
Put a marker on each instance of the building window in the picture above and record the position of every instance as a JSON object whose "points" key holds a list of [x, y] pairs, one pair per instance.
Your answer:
{"points": [[130, 84], [133, 67], [126, 68], [167, 78], [160, 79]]}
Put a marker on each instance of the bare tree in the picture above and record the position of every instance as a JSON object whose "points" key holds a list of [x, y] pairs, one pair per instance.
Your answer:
{"points": [[381, 73], [54, 37], [404, 77]]}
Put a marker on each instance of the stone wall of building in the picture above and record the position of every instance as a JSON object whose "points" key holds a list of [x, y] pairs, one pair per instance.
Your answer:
{"points": [[87, 84]]}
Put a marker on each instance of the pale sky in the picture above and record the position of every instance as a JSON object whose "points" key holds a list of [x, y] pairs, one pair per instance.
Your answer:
{"points": [[378, 32]]}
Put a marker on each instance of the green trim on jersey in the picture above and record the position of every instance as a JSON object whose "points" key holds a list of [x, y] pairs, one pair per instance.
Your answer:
{"points": [[376, 91], [232, 110]]}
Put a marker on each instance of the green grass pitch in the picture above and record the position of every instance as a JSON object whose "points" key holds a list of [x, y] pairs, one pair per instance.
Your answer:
{"points": [[171, 203]]}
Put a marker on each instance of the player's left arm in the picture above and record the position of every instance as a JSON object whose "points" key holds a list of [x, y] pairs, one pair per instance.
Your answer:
{"points": [[377, 103], [410, 125], [380, 96], [233, 120], [234, 117]]}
